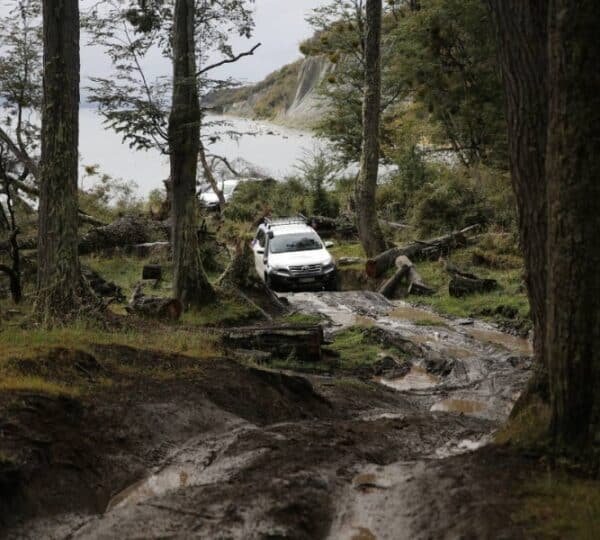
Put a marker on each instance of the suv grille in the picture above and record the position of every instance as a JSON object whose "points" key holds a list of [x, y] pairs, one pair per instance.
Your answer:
{"points": [[305, 269]]}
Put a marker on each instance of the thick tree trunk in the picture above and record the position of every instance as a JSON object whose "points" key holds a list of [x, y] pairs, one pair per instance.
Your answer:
{"points": [[59, 274], [573, 171], [369, 231], [522, 50], [191, 285]]}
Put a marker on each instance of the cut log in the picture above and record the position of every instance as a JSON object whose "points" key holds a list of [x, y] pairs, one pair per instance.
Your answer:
{"points": [[415, 282], [388, 288], [417, 250], [302, 343], [465, 283], [461, 285], [152, 271], [154, 307]]}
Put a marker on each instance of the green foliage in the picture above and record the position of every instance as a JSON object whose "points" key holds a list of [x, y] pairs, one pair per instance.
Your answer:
{"points": [[318, 172], [108, 197], [440, 83], [133, 104], [256, 199], [446, 55]]}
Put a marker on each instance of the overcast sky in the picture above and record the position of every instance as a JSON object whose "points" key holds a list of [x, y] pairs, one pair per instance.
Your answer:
{"points": [[280, 27]]}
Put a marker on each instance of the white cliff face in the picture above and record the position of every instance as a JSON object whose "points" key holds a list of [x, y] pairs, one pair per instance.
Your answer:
{"points": [[308, 105]]}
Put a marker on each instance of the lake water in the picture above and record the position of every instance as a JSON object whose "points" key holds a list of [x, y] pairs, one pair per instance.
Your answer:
{"points": [[273, 149]]}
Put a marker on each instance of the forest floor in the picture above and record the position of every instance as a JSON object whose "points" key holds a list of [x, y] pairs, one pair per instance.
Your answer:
{"points": [[148, 430]]}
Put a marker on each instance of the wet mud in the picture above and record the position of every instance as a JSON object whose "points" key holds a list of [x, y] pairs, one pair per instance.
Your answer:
{"points": [[242, 452]]}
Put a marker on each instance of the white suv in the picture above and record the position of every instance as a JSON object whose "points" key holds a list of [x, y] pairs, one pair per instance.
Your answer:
{"points": [[289, 254]]}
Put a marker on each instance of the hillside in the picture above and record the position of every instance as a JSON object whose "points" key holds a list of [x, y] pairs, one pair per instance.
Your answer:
{"points": [[288, 95]]}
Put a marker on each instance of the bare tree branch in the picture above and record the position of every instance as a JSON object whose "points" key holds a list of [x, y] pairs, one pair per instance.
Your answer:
{"points": [[228, 60]]}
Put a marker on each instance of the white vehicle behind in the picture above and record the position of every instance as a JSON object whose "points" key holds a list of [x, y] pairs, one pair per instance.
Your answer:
{"points": [[208, 197], [290, 255]]}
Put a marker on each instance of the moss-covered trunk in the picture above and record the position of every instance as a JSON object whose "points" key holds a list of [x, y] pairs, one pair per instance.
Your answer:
{"points": [[59, 276], [522, 50], [573, 171], [191, 285], [369, 231]]}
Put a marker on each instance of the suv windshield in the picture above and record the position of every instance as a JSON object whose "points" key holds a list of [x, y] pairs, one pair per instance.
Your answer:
{"points": [[294, 242]]}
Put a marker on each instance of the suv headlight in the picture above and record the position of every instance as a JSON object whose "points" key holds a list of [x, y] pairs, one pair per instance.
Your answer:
{"points": [[281, 270]]}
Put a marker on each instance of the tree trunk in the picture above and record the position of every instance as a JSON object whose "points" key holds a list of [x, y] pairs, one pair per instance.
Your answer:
{"points": [[573, 171], [191, 285], [59, 276], [210, 177], [369, 231], [522, 51]]}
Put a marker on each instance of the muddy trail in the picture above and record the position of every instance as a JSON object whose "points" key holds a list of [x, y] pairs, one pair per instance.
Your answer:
{"points": [[246, 452]]}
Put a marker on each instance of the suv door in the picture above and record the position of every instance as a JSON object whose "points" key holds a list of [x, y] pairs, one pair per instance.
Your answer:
{"points": [[258, 246]]}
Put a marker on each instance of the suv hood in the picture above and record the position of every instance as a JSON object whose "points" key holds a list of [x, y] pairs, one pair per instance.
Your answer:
{"points": [[294, 258]]}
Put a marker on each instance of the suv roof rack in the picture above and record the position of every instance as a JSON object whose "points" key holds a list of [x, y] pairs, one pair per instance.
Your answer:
{"points": [[297, 220]]}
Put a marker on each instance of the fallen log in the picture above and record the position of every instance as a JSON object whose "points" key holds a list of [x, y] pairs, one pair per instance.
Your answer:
{"points": [[417, 250], [123, 232], [283, 341], [343, 225], [154, 307], [406, 269], [461, 285]]}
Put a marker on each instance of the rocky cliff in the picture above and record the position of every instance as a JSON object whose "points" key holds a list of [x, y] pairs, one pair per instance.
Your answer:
{"points": [[289, 96]]}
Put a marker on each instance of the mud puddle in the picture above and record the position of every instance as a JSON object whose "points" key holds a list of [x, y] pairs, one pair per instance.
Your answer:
{"points": [[417, 378]]}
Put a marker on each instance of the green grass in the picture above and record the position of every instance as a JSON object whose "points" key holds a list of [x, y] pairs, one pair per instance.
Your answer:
{"points": [[39, 385], [356, 348], [349, 249], [126, 271], [559, 506], [508, 294], [302, 318], [20, 343], [226, 311]]}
